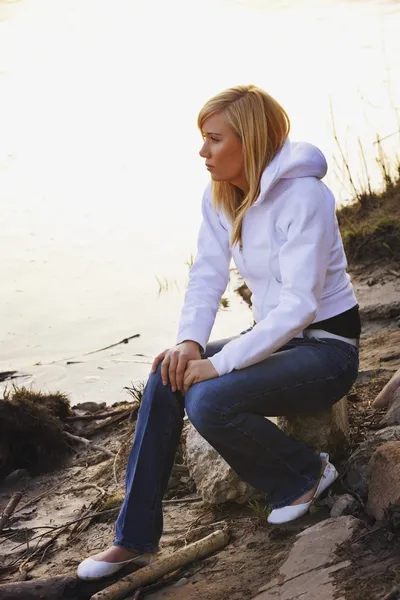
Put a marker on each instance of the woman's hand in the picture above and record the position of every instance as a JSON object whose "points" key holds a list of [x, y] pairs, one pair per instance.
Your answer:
{"points": [[174, 363], [196, 371]]}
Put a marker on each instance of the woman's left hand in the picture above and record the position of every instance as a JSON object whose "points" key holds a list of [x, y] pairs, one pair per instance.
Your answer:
{"points": [[196, 371]]}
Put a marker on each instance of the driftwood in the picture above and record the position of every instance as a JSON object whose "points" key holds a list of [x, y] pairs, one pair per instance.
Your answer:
{"points": [[122, 414], [164, 565], [81, 440], [124, 341], [56, 588], [9, 509], [95, 417], [386, 394]]}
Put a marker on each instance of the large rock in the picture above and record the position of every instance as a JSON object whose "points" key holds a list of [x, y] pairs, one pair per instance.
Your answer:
{"points": [[392, 416], [307, 571], [326, 430], [356, 473], [383, 479], [215, 481]]}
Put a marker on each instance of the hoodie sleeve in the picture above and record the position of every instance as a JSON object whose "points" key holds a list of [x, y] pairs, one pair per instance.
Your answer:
{"points": [[208, 277], [307, 222]]}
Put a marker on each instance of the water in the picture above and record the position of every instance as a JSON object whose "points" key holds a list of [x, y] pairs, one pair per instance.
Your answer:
{"points": [[100, 180]]}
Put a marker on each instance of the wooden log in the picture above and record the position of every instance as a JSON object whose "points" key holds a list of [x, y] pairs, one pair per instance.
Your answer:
{"points": [[9, 509], [386, 394], [56, 588], [164, 565]]}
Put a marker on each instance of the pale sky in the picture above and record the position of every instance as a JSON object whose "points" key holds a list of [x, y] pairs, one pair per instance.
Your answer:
{"points": [[100, 179]]}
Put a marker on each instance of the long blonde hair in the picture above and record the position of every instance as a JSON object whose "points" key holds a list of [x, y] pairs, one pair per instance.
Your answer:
{"points": [[262, 126]]}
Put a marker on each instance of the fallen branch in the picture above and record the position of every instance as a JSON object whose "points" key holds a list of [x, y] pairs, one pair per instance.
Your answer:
{"points": [[81, 440], [164, 565], [124, 341], [183, 500], [112, 420], [58, 529], [56, 588], [85, 486], [9, 509], [115, 464], [95, 417], [37, 498]]}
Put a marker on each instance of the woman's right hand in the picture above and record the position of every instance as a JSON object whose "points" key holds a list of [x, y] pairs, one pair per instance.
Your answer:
{"points": [[174, 363]]}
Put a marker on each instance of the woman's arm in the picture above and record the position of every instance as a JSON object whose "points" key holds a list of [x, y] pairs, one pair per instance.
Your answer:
{"points": [[208, 277], [308, 222]]}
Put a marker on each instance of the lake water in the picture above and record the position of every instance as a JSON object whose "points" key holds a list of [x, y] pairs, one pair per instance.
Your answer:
{"points": [[100, 178]]}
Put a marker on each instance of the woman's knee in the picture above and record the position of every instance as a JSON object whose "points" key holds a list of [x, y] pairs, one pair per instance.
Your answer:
{"points": [[202, 410], [156, 394]]}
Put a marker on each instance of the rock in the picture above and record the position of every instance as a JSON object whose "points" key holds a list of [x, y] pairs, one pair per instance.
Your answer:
{"points": [[318, 585], [182, 581], [326, 430], [392, 416], [307, 571], [378, 311], [344, 505], [356, 473], [328, 500], [383, 479], [215, 481]]}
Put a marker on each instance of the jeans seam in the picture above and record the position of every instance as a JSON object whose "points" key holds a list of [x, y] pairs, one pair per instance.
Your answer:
{"points": [[147, 547], [157, 495]]}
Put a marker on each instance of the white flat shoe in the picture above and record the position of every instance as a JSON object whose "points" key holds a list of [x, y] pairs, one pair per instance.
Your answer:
{"points": [[295, 511], [99, 569]]}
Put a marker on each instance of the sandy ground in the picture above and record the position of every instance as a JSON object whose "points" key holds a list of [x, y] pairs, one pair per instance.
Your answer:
{"points": [[91, 482]]}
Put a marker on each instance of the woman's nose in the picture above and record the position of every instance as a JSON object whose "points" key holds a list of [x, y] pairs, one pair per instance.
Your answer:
{"points": [[204, 151]]}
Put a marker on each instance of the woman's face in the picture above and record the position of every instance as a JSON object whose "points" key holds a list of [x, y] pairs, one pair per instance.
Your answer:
{"points": [[222, 151]]}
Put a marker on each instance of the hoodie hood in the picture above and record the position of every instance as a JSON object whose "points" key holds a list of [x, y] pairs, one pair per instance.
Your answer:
{"points": [[295, 159]]}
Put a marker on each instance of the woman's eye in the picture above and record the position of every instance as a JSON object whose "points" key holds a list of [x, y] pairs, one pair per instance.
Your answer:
{"points": [[215, 139]]}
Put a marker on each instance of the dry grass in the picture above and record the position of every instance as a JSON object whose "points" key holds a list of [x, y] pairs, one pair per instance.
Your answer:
{"points": [[31, 426], [370, 225]]}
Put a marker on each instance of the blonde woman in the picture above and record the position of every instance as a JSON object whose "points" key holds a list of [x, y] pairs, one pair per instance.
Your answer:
{"points": [[267, 208]]}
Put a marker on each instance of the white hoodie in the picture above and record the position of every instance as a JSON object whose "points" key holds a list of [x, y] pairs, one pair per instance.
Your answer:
{"points": [[292, 260]]}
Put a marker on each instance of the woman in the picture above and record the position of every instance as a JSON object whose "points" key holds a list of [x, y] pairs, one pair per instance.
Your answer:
{"points": [[268, 209]]}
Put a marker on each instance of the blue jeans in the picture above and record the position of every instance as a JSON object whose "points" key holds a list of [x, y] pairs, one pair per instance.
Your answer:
{"points": [[304, 376]]}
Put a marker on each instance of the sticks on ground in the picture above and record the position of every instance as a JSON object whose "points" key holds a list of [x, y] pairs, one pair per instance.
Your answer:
{"points": [[122, 414], [393, 595], [95, 417], [81, 440], [183, 500], [9, 509], [163, 565]]}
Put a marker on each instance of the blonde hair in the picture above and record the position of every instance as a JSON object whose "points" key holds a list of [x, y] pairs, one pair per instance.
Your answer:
{"points": [[262, 126]]}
